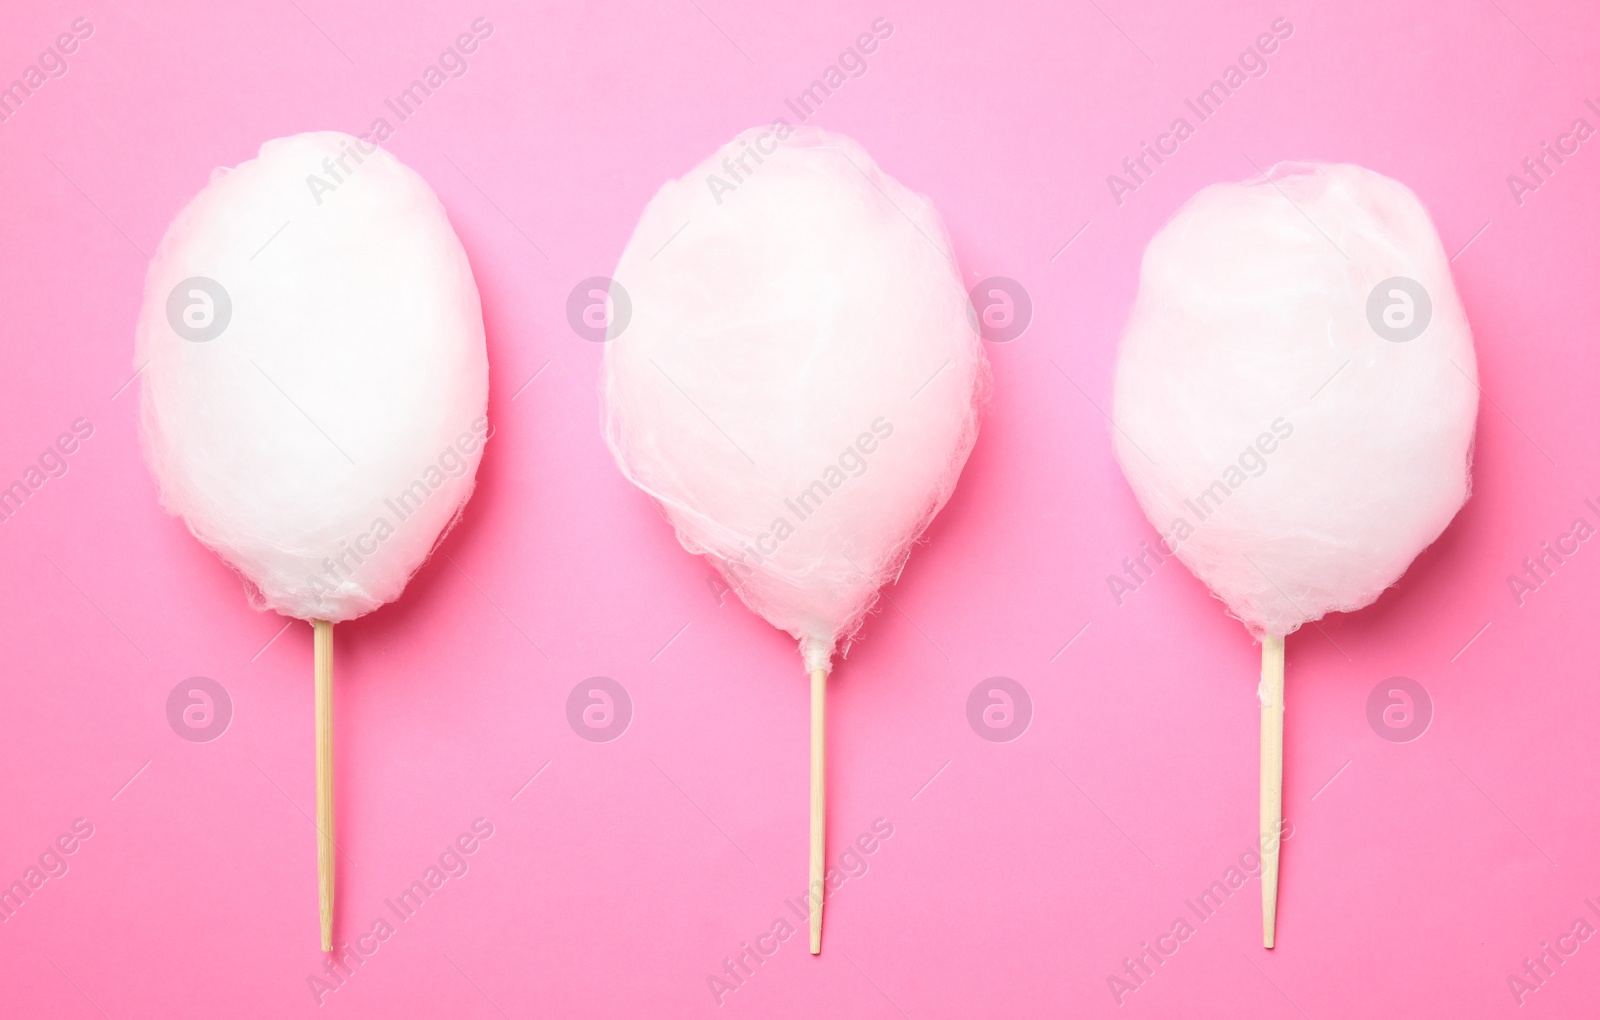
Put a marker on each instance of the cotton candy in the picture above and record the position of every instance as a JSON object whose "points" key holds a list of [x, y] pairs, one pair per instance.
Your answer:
{"points": [[1281, 426], [800, 380], [314, 378]]}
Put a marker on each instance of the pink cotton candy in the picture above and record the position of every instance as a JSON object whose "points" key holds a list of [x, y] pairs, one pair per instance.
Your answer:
{"points": [[800, 380], [314, 375], [1296, 391]]}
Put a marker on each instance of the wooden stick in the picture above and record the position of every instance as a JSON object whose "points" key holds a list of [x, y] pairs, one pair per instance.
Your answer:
{"points": [[1271, 782], [322, 655], [816, 887]]}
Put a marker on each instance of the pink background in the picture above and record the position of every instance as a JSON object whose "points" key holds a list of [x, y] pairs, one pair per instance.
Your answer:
{"points": [[616, 882]]}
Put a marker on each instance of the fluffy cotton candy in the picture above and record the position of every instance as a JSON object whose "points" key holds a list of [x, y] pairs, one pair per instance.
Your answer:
{"points": [[800, 380], [1294, 458], [328, 434]]}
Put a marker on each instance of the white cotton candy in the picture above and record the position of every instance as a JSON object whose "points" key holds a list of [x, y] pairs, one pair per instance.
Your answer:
{"points": [[1295, 458], [799, 383], [327, 435]]}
